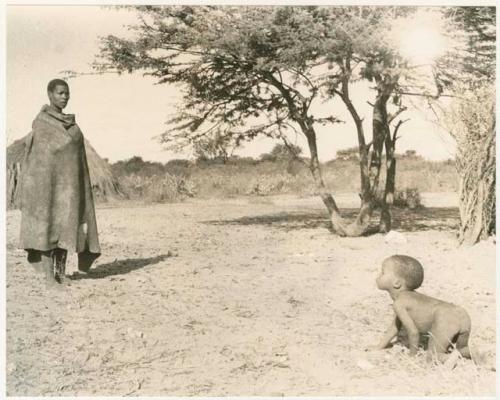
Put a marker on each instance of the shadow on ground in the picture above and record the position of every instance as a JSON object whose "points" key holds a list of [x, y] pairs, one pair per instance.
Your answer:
{"points": [[120, 267], [404, 220]]}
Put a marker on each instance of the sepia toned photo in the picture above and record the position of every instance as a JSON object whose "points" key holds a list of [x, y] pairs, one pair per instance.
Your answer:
{"points": [[250, 200]]}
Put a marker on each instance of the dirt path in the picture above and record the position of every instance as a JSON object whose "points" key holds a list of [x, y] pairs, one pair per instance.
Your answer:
{"points": [[239, 297]]}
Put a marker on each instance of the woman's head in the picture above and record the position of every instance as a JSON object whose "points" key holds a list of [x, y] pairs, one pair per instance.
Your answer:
{"points": [[58, 92]]}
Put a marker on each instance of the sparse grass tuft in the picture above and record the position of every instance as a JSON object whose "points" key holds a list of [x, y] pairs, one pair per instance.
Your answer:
{"points": [[433, 378]]}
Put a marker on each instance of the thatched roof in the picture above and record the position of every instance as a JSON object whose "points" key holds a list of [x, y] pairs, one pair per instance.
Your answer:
{"points": [[104, 185]]}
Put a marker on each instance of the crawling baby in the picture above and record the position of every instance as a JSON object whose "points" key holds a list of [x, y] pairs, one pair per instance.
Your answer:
{"points": [[447, 325]]}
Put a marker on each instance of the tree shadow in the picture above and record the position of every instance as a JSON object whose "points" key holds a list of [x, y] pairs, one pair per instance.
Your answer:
{"points": [[284, 220], [426, 218], [119, 267], [404, 220]]}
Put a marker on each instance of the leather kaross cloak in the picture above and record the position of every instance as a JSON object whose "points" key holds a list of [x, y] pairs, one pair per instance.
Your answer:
{"points": [[56, 194]]}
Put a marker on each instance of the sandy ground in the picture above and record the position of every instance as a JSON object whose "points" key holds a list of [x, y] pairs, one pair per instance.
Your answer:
{"points": [[249, 296]]}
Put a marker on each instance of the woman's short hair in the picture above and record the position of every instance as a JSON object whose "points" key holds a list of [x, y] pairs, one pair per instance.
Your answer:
{"points": [[54, 82]]}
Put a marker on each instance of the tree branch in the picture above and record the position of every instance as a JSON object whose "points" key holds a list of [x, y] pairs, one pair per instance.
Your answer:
{"points": [[392, 117], [396, 129]]}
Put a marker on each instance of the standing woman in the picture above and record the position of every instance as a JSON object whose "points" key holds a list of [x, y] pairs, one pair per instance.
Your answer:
{"points": [[56, 194]]}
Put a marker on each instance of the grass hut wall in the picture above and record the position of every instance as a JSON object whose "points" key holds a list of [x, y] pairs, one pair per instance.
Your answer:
{"points": [[104, 185]]}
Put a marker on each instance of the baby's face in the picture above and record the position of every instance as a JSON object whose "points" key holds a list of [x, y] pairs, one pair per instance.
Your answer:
{"points": [[385, 280]]}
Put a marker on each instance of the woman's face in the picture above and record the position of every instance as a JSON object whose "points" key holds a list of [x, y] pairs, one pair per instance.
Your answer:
{"points": [[59, 97]]}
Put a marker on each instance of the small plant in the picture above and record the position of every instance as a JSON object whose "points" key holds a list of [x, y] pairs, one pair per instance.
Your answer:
{"points": [[408, 198]]}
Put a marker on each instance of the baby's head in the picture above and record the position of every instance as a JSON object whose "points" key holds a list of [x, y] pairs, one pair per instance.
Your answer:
{"points": [[400, 272]]}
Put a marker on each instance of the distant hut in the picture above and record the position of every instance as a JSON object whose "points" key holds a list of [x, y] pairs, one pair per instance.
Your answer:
{"points": [[104, 185]]}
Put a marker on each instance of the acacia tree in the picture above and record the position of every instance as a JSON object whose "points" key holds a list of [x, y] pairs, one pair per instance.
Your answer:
{"points": [[358, 47], [365, 52], [241, 66], [264, 67]]}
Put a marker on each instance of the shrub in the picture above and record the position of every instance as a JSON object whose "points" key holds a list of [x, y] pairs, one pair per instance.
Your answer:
{"points": [[242, 161], [179, 167], [352, 153], [136, 165], [263, 186], [247, 176], [408, 198], [158, 188], [267, 157]]}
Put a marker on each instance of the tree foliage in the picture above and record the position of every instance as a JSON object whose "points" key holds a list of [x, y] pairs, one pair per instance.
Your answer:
{"points": [[215, 147], [240, 66], [474, 57]]}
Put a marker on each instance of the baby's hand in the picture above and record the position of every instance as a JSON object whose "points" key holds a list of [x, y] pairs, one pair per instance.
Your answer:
{"points": [[376, 347]]}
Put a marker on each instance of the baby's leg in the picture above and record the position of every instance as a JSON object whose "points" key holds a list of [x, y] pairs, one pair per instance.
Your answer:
{"points": [[451, 327], [443, 331], [435, 350], [462, 344]]}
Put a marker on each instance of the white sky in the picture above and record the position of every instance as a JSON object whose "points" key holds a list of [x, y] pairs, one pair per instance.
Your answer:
{"points": [[120, 115]]}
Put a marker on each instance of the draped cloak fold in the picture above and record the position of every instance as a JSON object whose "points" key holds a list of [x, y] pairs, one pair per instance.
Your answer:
{"points": [[56, 194]]}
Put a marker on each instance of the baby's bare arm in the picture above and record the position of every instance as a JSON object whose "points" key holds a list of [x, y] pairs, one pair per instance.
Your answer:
{"points": [[391, 332], [409, 324]]}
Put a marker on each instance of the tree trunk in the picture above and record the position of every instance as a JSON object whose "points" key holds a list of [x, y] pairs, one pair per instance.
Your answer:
{"points": [[380, 132], [385, 224], [388, 197], [369, 164], [315, 169], [339, 225], [477, 192], [357, 228], [360, 225]]}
